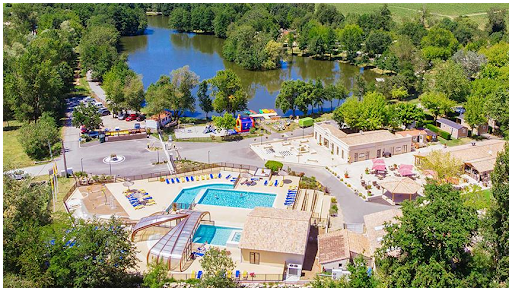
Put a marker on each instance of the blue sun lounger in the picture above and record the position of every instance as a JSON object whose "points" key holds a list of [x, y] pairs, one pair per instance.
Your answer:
{"points": [[172, 180], [227, 177], [187, 179], [211, 176], [178, 180], [237, 274], [266, 183], [167, 181], [192, 178], [275, 184], [219, 175], [199, 274]]}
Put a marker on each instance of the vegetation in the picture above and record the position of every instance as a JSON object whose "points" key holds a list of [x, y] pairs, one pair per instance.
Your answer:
{"points": [[14, 154], [428, 247], [157, 276], [216, 263], [224, 122], [228, 94], [358, 278], [41, 139], [274, 166], [86, 115], [443, 164]]}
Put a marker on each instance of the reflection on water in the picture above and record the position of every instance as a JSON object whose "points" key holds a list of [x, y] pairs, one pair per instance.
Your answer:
{"points": [[162, 50]]}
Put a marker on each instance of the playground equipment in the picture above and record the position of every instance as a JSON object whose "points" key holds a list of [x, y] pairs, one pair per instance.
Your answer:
{"points": [[305, 122], [244, 124], [209, 128]]}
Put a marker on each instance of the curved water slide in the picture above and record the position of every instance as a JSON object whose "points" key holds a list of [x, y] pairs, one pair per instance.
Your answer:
{"points": [[175, 247]]}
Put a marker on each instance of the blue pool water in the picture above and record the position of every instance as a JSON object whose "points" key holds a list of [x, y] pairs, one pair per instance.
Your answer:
{"points": [[187, 195], [235, 198], [214, 235]]}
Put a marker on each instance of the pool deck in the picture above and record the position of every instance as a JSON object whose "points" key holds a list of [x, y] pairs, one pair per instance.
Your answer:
{"points": [[163, 194]]}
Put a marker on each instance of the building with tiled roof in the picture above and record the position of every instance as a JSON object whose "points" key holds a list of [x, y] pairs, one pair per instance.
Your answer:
{"points": [[374, 226], [275, 236], [360, 146], [336, 249], [456, 130]]}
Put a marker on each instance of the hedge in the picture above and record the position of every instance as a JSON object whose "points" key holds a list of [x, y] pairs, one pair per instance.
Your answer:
{"points": [[445, 135], [274, 165], [440, 132]]}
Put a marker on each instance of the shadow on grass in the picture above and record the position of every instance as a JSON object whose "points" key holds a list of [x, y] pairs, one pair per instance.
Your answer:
{"points": [[11, 127]]}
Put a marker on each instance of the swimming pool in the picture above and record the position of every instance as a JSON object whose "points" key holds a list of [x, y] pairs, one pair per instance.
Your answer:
{"points": [[214, 235], [235, 198], [188, 195]]}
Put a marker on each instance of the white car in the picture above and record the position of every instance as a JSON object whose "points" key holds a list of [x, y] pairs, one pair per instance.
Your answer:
{"points": [[16, 174], [98, 104]]}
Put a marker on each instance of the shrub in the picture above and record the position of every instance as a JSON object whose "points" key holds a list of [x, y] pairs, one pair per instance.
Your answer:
{"points": [[274, 166], [333, 200], [445, 135], [36, 137], [433, 128], [252, 130]]}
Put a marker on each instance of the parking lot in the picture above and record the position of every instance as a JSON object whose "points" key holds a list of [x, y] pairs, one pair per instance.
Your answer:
{"points": [[111, 123]]}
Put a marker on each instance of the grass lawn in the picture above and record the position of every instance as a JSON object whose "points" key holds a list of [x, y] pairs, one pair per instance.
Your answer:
{"points": [[454, 142], [479, 199], [14, 156], [407, 10], [64, 186]]}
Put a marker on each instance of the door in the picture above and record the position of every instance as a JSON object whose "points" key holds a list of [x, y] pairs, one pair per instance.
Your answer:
{"points": [[254, 258], [378, 153]]}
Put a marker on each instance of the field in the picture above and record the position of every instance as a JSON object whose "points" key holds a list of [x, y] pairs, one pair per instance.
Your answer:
{"points": [[476, 11], [14, 156]]}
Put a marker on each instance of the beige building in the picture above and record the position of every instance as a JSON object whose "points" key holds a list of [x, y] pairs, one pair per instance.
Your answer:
{"points": [[477, 158], [336, 249], [481, 129], [455, 129], [360, 146], [374, 227], [275, 237]]}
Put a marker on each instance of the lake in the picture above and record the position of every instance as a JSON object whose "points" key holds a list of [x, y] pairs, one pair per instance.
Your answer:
{"points": [[161, 50]]}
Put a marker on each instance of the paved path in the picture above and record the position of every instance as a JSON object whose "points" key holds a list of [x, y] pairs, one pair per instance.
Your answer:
{"points": [[95, 87]]}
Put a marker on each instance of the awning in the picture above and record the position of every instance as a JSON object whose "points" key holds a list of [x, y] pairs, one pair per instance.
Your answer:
{"points": [[379, 167], [405, 170], [378, 161]]}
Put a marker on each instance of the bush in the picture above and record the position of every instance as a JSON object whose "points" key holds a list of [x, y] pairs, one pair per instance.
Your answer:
{"points": [[36, 137], [445, 135], [433, 128], [274, 165], [252, 130]]}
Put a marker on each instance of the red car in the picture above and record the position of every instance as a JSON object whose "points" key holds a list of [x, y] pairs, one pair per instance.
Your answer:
{"points": [[131, 117]]}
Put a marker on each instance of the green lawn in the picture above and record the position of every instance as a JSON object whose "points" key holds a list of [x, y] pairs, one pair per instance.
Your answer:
{"points": [[64, 186], [454, 142], [479, 199], [14, 156], [407, 10]]}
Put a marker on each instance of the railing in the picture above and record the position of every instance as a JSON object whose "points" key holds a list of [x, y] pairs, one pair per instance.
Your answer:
{"points": [[251, 277], [65, 198]]}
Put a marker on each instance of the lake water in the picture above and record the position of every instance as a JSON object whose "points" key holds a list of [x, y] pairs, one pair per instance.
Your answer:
{"points": [[161, 50]]}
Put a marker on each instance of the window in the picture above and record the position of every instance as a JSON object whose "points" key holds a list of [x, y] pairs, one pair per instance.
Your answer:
{"points": [[362, 155], [342, 154], [380, 227], [316, 135], [337, 151], [398, 149], [254, 258], [405, 148]]}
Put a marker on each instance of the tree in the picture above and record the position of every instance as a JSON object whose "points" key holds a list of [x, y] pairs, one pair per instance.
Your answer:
{"points": [[274, 166], [133, 92], [227, 92], [179, 19], [287, 97], [406, 114], [377, 42], [156, 277], [348, 113], [183, 80], [414, 30], [443, 164], [97, 49], [86, 115], [399, 93], [341, 91], [496, 226], [351, 38], [205, 102], [437, 103], [359, 277], [222, 20], [497, 21], [215, 264], [470, 61], [475, 114], [328, 14], [450, 79], [439, 43], [368, 114], [37, 137], [224, 122], [428, 245], [497, 54]]}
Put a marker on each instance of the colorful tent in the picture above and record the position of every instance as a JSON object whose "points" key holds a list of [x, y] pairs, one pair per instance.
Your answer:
{"points": [[405, 170], [379, 165]]}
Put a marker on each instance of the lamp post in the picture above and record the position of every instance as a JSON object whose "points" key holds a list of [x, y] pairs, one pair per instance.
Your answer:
{"points": [[110, 166], [82, 164]]}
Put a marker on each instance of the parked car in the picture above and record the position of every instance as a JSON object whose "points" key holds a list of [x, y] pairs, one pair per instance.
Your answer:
{"points": [[17, 174], [141, 117], [121, 116], [98, 104], [136, 125], [88, 99], [104, 111], [83, 129], [131, 117]]}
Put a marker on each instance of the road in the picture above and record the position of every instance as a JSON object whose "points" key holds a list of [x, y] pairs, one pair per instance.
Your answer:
{"points": [[95, 87]]}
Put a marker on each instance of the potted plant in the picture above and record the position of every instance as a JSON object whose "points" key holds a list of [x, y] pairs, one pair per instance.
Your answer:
{"points": [[367, 171], [346, 174]]}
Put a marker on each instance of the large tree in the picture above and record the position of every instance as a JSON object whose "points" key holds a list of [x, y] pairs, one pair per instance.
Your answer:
{"points": [[216, 263], [449, 78], [287, 97], [427, 247], [439, 43], [205, 102], [369, 114], [97, 49], [437, 103], [87, 115], [351, 38], [475, 114], [444, 165], [496, 232], [227, 92]]}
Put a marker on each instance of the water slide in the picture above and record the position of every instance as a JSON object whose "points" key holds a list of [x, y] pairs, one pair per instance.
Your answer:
{"points": [[175, 246]]}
